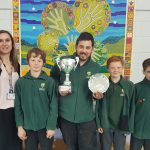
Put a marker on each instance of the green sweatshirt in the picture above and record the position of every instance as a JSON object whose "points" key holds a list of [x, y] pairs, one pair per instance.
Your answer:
{"points": [[142, 110], [116, 110], [77, 107], [36, 102]]}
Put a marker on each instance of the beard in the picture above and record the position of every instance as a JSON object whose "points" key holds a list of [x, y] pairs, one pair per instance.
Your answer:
{"points": [[83, 56]]}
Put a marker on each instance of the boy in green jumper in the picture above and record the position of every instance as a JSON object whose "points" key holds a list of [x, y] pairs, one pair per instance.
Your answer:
{"points": [[36, 104], [76, 115], [141, 134], [114, 114]]}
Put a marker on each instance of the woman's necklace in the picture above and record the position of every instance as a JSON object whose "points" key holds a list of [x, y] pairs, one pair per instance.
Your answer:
{"points": [[8, 68]]}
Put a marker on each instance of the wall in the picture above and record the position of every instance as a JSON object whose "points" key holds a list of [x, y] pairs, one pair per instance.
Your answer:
{"points": [[6, 15], [141, 40]]}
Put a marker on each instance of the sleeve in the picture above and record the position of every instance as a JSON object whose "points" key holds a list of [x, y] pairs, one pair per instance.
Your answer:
{"points": [[98, 112], [55, 73], [18, 107], [132, 108], [53, 106]]}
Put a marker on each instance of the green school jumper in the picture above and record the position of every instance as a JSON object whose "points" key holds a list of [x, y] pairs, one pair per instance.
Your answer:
{"points": [[116, 110], [36, 102], [142, 110]]}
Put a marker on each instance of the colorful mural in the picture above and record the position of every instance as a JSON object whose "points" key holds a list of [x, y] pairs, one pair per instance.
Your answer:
{"points": [[55, 25]]}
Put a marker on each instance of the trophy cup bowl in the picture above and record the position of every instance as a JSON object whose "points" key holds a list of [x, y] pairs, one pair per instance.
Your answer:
{"points": [[66, 65], [98, 83]]}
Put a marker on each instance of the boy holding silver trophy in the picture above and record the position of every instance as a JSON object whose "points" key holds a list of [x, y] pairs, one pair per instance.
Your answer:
{"points": [[115, 113], [76, 116]]}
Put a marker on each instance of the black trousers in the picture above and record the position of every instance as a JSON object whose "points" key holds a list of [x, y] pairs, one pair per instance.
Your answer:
{"points": [[136, 144], [38, 137], [112, 137], [79, 136], [8, 131]]}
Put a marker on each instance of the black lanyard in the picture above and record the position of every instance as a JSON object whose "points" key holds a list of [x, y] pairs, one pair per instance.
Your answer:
{"points": [[10, 79]]}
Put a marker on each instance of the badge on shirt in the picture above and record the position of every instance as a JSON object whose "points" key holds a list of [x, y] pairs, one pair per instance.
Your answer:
{"points": [[122, 93], [88, 74], [141, 100], [10, 95], [42, 88]]}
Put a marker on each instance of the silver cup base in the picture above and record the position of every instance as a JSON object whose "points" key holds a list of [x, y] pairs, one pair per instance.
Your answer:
{"points": [[65, 88]]}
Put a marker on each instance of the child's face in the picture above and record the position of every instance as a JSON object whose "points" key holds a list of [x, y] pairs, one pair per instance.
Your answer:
{"points": [[115, 69], [147, 73], [35, 63]]}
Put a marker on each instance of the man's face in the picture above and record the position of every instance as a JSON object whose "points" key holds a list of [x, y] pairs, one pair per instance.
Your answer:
{"points": [[115, 69], [147, 73], [84, 50]]}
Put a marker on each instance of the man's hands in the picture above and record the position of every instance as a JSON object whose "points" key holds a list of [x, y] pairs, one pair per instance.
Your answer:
{"points": [[98, 95], [64, 93]]}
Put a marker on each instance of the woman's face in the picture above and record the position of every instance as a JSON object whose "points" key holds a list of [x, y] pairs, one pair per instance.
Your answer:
{"points": [[5, 43]]}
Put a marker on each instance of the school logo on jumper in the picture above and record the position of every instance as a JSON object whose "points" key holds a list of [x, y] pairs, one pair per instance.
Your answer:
{"points": [[141, 100], [122, 93], [42, 88], [88, 74]]}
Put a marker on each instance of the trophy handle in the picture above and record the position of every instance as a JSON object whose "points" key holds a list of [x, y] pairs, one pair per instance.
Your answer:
{"points": [[58, 62], [77, 61]]}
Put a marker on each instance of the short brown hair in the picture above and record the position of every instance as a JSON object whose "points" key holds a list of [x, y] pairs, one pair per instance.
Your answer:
{"points": [[146, 63], [37, 52], [115, 59], [85, 36]]}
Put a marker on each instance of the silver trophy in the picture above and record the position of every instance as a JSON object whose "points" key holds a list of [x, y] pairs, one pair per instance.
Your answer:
{"points": [[66, 65], [98, 83]]}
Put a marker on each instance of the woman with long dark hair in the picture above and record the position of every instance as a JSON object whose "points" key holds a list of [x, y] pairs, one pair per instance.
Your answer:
{"points": [[9, 74]]}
